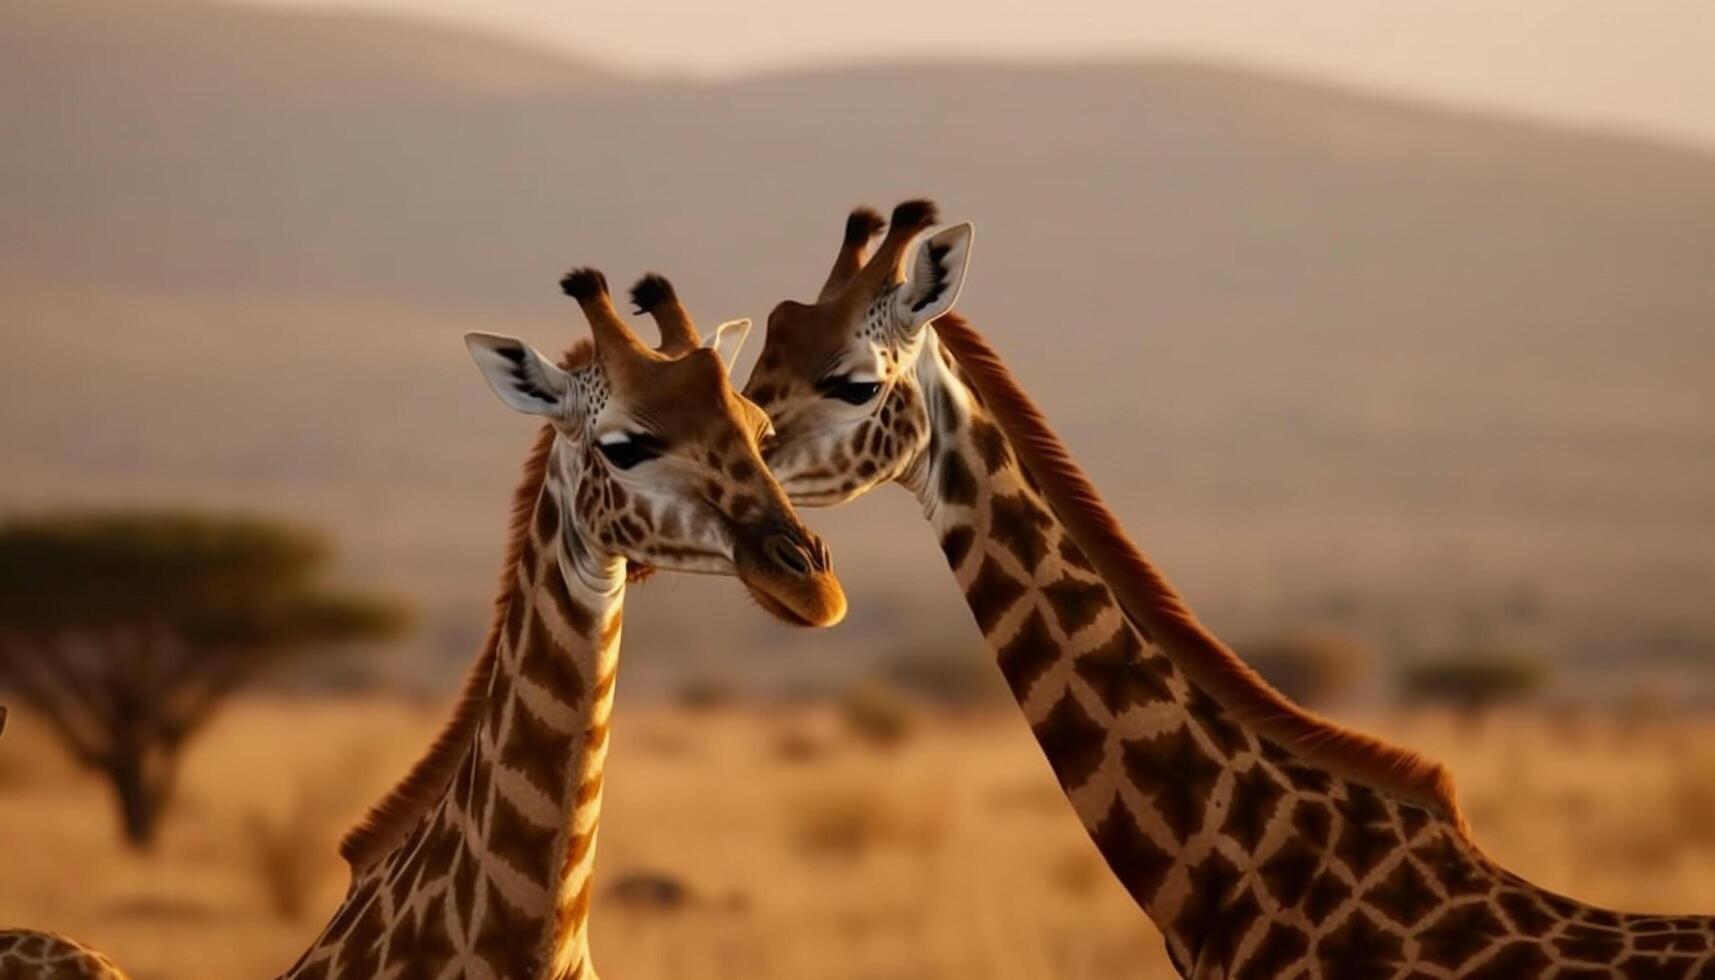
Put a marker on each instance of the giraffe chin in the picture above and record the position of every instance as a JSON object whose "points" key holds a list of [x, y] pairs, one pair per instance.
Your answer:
{"points": [[818, 604]]}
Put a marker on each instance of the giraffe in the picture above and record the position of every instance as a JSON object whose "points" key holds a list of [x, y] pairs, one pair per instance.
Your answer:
{"points": [[1264, 842], [479, 863]]}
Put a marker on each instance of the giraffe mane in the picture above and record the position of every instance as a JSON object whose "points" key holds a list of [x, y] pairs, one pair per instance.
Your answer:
{"points": [[1157, 609], [388, 821]]}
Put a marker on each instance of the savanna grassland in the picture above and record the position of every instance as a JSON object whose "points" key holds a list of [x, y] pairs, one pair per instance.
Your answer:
{"points": [[764, 842]]}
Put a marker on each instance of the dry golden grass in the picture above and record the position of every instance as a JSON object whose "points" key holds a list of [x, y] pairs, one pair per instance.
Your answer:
{"points": [[948, 856]]}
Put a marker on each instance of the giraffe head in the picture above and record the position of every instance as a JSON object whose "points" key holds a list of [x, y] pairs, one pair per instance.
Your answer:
{"points": [[655, 460], [837, 375]]}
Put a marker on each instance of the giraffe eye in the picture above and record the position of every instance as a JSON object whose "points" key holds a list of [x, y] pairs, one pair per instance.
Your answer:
{"points": [[850, 391], [625, 451]]}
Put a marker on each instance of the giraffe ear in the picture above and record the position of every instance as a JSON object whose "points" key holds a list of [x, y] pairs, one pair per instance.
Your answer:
{"points": [[728, 340], [936, 275], [522, 378]]}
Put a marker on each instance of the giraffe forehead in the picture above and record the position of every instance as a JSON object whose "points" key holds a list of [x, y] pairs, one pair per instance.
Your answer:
{"points": [[803, 339], [687, 399]]}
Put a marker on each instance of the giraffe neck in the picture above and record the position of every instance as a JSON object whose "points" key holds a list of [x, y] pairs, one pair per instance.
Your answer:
{"points": [[1252, 860], [1182, 800], [497, 873]]}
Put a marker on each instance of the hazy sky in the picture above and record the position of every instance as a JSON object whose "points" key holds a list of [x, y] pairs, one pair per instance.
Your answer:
{"points": [[1646, 65]]}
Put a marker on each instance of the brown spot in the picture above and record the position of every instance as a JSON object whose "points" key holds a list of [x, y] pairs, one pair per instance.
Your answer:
{"points": [[1256, 797], [1327, 894], [354, 906], [991, 444], [443, 845], [1287, 873], [509, 941], [465, 873], [958, 486], [1073, 555], [1121, 676], [517, 605], [1314, 821], [991, 594], [1207, 912], [1514, 960], [481, 778], [419, 945], [1459, 934], [1139, 863], [1672, 942], [1446, 860], [576, 847], [518, 841], [1306, 778], [1021, 526], [1281, 948], [1591, 945], [538, 750], [570, 916], [550, 666], [1650, 966], [360, 954], [1411, 820], [1176, 773], [1224, 733], [499, 698], [1030, 652], [744, 506], [547, 518], [1076, 604], [1404, 895], [527, 555], [1358, 950], [1073, 743], [1528, 918], [1363, 846], [577, 617], [956, 544], [590, 788], [742, 469]]}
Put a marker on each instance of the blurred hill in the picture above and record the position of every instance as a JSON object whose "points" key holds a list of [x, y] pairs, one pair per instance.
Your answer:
{"points": [[1423, 376]]}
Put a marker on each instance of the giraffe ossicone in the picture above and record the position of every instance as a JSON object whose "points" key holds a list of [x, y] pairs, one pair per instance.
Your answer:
{"points": [[479, 864], [1263, 841]]}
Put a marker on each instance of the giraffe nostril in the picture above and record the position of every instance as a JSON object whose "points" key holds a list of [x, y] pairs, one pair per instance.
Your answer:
{"points": [[820, 557], [788, 554]]}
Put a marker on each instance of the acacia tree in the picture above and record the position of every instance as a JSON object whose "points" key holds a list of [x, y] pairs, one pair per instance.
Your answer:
{"points": [[127, 631]]}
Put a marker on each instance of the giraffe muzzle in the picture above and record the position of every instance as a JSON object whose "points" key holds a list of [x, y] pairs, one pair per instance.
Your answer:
{"points": [[790, 572]]}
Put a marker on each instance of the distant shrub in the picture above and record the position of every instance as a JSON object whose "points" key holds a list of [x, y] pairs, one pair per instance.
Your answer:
{"points": [[704, 692], [847, 822], [1477, 681], [1311, 669], [799, 747], [878, 714], [649, 890], [842, 822]]}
